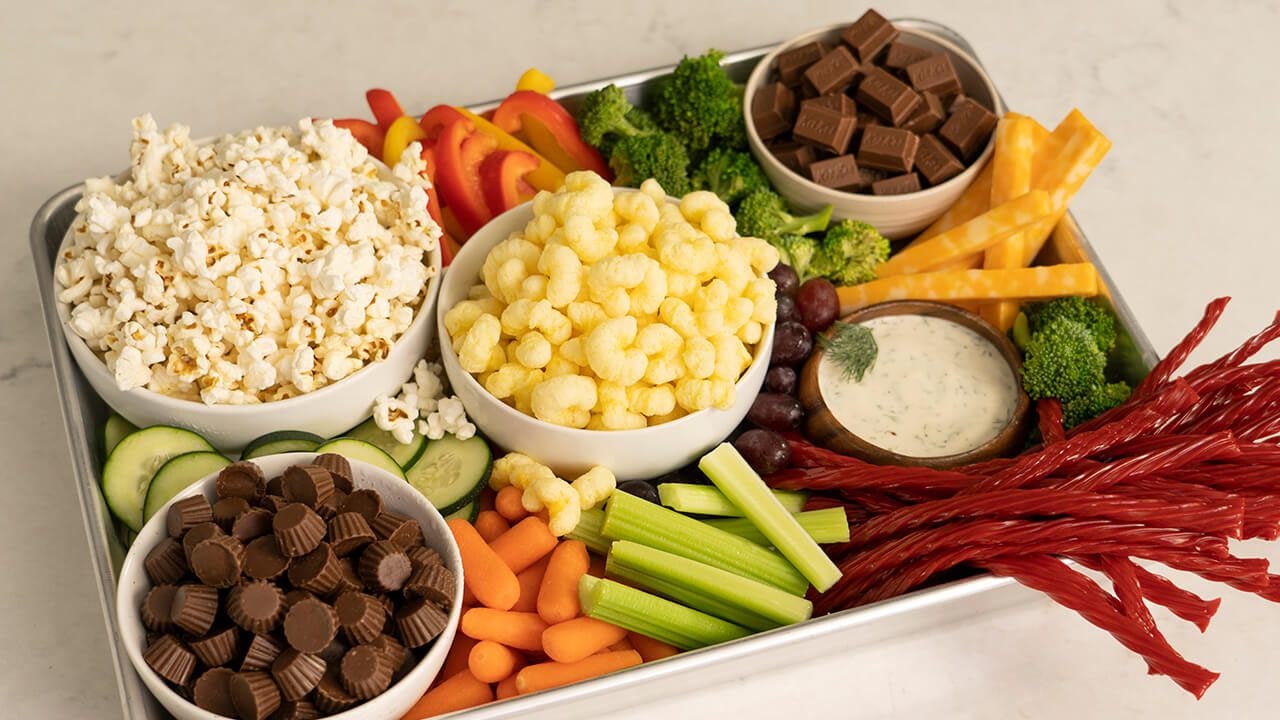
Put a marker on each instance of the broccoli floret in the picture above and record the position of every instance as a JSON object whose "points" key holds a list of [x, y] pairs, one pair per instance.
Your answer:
{"points": [[763, 214], [1093, 316], [1062, 361], [1093, 403], [607, 112], [731, 174], [656, 155], [851, 250], [699, 103], [797, 251]]}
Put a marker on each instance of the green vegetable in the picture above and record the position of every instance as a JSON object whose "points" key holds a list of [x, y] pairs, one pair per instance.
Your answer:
{"points": [[730, 472], [689, 597], [655, 617], [828, 525], [763, 214], [112, 432], [588, 531], [1096, 318], [852, 347], [709, 589], [851, 250], [352, 449], [177, 474], [404, 453], [798, 251], [281, 441], [731, 174], [127, 473], [706, 500], [700, 104], [1020, 333], [1062, 361], [1098, 400], [655, 155], [606, 115], [627, 517]]}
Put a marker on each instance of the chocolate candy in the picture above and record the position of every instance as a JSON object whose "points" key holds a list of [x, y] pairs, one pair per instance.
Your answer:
{"points": [[331, 697], [366, 502], [773, 109], [837, 101], [298, 529], [348, 578], [348, 532], [868, 35], [226, 510], [297, 673], [968, 128], [186, 513], [243, 479], [157, 608], [256, 606], [935, 162], [832, 73], [194, 608], [364, 672], [339, 469], [297, 710], [254, 695], [890, 149], [823, 127], [795, 155], [263, 559], [197, 535], [166, 563], [262, 651], [171, 660], [217, 561], [900, 55], [310, 625], [934, 74], [792, 63], [839, 173], [419, 621], [317, 571], [927, 117], [422, 556], [212, 692], [253, 524], [218, 647], [897, 185], [383, 566], [887, 96], [402, 531], [360, 616], [310, 485]]}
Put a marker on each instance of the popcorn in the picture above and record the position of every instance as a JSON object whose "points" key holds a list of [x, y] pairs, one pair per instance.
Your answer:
{"points": [[261, 266], [423, 400]]}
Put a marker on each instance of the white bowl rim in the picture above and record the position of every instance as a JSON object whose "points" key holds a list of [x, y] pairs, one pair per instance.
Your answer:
{"points": [[446, 346], [64, 316], [760, 71], [135, 654]]}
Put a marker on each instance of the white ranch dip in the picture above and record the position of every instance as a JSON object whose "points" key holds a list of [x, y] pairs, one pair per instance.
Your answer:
{"points": [[936, 388]]}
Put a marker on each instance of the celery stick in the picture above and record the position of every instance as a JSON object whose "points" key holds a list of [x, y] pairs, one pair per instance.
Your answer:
{"points": [[627, 517], [588, 531], [688, 597], [828, 525], [650, 615], [704, 581], [735, 478], [706, 500]]}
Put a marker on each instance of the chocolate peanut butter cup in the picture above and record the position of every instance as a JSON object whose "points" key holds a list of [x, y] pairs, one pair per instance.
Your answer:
{"points": [[298, 529], [219, 647], [366, 502], [433, 582], [419, 621], [403, 531], [171, 660], [262, 651], [421, 556], [226, 510], [317, 571], [296, 673], [242, 479], [212, 691], [310, 485], [253, 524], [187, 513], [383, 566], [339, 468], [254, 695], [348, 579], [396, 654], [194, 608], [263, 559], [297, 710], [197, 535], [360, 616], [166, 564], [157, 609], [348, 532], [331, 698], [364, 672], [256, 606], [310, 625], [217, 561]]}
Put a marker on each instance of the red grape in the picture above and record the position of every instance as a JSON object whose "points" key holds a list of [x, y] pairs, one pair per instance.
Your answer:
{"points": [[818, 304], [780, 380], [765, 451], [785, 278], [792, 344], [775, 411]]}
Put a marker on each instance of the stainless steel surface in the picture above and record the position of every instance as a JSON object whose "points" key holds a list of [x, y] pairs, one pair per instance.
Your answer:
{"points": [[83, 413]]}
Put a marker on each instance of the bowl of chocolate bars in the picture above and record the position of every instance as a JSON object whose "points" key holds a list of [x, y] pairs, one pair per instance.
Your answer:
{"points": [[887, 124]]}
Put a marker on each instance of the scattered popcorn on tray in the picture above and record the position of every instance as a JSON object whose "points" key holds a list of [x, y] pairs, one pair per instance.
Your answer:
{"points": [[423, 405]]}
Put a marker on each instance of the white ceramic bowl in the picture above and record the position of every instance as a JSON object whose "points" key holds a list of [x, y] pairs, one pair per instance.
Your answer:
{"points": [[326, 412], [630, 454], [895, 216], [396, 494]]}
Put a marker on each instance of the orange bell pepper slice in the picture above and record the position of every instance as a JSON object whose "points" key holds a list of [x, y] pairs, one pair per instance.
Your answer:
{"points": [[386, 108], [502, 179], [365, 132], [550, 129]]}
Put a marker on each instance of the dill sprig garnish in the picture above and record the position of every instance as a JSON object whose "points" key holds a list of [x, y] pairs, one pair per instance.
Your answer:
{"points": [[853, 349]]}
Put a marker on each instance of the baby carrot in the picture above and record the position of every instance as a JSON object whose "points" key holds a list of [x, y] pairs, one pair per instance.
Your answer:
{"points": [[651, 649], [507, 503], [623, 644], [459, 692], [490, 525], [456, 660], [558, 596], [527, 542], [491, 662], [575, 639], [548, 675], [530, 582], [513, 629], [485, 573], [486, 499], [507, 688]]}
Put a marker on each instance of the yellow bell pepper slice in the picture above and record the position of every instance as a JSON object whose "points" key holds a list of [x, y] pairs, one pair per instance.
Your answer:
{"points": [[402, 132], [545, 177], [536, 80]]}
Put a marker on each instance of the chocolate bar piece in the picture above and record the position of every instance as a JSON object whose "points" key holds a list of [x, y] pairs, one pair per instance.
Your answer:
{"points": [[868, 35], [901, 55], [838, 173], [839, 102], [792, 63], [833, 72], [935, 162], [934, 74], [796, 155], [772, 109], [927, 117], [886, 148], [897, 185], [824, 128], [968, 128], [887, 96]]}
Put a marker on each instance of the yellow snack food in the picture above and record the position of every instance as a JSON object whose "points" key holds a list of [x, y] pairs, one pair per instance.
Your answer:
{"points": [[1010, 178], [1034, 283]]}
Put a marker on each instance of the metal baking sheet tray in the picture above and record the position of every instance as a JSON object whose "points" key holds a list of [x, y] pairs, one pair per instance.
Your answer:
{"points": [[83, 413]]}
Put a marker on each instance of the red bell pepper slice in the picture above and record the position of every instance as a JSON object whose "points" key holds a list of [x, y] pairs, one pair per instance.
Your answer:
{"points": [[459, 152], [434, 120], [448, 249], [502, 179], [433, 196], [365, 132], [550, 129], [386, 108]]}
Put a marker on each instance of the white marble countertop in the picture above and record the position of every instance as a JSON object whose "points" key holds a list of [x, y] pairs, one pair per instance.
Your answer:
{"points": [[1181, 211]]}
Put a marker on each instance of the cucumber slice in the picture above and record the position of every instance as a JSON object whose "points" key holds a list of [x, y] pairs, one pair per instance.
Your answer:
{"points": [[404, 453], [467, 512], [452, 472], [113, 431], [362, 451], [175, 475], [281, 441], [131, 464]]}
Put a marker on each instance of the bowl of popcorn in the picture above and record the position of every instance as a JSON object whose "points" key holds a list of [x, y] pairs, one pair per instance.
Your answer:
{"points": [[276, 278], [609, 326]]}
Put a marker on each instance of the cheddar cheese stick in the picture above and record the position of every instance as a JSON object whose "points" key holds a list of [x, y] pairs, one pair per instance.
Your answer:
{"points": [[1010, 178], [1037, 283]]}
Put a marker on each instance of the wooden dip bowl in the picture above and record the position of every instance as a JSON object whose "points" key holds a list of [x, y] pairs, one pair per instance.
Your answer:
{"points": [[823, 428]]}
